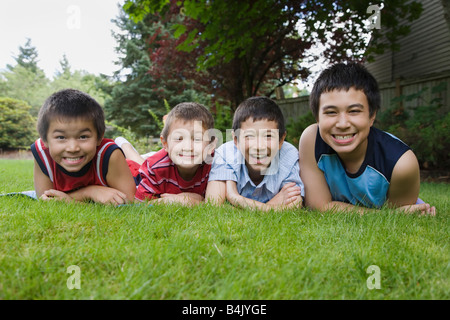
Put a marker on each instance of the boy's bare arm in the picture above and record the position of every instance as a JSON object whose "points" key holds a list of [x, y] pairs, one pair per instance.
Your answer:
{"points": [[184, 198], [42, 182], [119, 176], [121, 185], [101, 194], [216, 192], [317, 193], [280, 203], [289, 196], [236, 199], [405, 185]]}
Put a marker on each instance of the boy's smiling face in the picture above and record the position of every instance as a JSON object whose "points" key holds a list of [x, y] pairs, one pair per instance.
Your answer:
{"points": [[259, 141], [344, 122], [72, 143], [186, 145]]}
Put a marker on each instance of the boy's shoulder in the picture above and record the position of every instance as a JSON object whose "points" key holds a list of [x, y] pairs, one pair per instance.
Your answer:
{"points": [[159, 159], [227, 151], [289, 150], [387, 139]]}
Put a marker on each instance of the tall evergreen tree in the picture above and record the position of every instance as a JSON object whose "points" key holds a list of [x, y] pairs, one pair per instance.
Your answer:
{"points": [[65, 67], [27, 57], [137, 91], [26, 81]]}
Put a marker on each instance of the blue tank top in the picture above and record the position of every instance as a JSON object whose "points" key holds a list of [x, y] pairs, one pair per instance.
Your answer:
{"points": [[369, 186]]}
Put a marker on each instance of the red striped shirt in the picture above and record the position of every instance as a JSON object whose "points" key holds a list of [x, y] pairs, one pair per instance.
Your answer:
{"points": [[160, 175]]}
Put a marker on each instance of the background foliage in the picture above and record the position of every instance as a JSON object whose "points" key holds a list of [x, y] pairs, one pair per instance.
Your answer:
{"points": [[240, 49], [218, 53], [27, 87], [17, 125], [425, 127]]}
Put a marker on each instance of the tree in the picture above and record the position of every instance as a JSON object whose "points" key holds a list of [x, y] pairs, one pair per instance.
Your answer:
{"points": [[27, 57], [23, 84], [137, 91], [30, 84], [17, 126], [250, 47], [65, 68], [25, 81]]}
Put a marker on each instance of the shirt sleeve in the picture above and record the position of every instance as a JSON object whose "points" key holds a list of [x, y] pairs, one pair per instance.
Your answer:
{"points": [[221, 168], [292, 167], [147, 188], [294, 176]]}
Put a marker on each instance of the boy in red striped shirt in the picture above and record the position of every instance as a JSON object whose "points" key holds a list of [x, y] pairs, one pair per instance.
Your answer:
{"points": [[179, 172]]}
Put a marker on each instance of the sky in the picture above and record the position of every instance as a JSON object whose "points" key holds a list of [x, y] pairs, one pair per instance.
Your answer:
{"points": [[80, 29]]}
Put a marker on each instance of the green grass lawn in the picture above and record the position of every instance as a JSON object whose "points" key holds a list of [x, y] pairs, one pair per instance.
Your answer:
{"points": [[172, 252]]}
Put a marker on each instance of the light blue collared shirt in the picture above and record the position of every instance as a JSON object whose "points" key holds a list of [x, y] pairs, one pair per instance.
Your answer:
{"points": [[229, 164]]}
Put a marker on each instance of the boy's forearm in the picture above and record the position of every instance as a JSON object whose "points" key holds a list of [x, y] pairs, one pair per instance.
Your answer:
{"points": [[101, 194], [184, 198], [345, 207], [216, 192], [243, 202], [82, 194]]}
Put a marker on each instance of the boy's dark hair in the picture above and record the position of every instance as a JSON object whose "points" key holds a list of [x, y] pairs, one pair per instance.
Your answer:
{"points": [[70, 103], [188, 111], [259, 108], [343, 77]]}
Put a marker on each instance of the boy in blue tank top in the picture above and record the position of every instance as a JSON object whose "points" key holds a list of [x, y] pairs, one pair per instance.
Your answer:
{"points": [[346, 163]]}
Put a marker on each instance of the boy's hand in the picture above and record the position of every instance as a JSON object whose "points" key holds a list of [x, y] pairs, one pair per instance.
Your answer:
{"points": [[53, 194], [423, 208], [107, 195], [290, 194], [100, 194]]}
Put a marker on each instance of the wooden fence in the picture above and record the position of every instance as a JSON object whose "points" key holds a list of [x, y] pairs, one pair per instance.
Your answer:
{"points": [[295, 107]]}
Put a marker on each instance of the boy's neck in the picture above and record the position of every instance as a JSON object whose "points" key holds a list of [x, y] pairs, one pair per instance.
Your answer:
{"points": [[353, 161], [187, 174], [255, 176]]}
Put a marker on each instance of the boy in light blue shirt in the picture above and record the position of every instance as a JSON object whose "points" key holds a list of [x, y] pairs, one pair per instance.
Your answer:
{"points": [[258, 169]]}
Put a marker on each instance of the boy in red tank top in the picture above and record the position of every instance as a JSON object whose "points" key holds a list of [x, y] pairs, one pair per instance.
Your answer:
{"points": [[72, 160]]}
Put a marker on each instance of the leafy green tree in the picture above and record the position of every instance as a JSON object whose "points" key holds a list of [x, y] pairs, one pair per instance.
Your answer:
{"points": [[97, 87], [24, 84], [136, 91], [251, 47], [28, 82], [25, 81], [17, 125]]}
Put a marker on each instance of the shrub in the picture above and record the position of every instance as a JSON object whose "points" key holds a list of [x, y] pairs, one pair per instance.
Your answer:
{"points": [[142, 144], [425, 128], [17, 125], [296, 127], [223, 119]]}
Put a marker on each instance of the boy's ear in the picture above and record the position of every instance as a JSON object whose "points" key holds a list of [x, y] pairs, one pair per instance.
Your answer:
{"points": [[164, 143], [99, 141], [213, 144], [235, 139], [372, 119], [282, 139]]}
